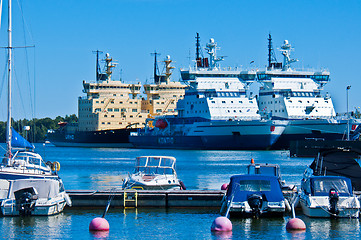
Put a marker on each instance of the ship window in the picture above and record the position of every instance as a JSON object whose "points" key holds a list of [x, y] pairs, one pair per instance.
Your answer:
{"points": [[114, 95], [96, 101], [112, 116], [110, 109], [213, 101], [134, 110], [326, 101], [299, 101], [121, 102], [231, 101], [234, 110], [116, 109], [316, 101], [103, 122], [159, 110], [102, 101], [140, 116], [108, 122], [228, 111], [98, 109], [105, 115], [240, 101], [252, 101], [240, 111], [223, 101], [123, 110], [112, 102], [131, 116]]}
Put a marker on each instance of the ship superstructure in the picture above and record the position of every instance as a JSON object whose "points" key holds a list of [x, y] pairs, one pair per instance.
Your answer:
{"points": [[215, 93], [296, 95], [163, 94], [217, 112], [292, 94], [110, 104]]}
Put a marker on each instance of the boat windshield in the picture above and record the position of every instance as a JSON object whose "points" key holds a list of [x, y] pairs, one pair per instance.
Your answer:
{"points": [[322, 187], [155, 170], [255, 185]]}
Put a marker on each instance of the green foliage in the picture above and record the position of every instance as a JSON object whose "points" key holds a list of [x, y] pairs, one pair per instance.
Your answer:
{"points": [[38, 127]]}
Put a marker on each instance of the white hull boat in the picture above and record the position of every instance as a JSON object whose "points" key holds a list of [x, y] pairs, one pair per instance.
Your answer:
{"points": [[328, 196], [36, 197], [154, 173]]}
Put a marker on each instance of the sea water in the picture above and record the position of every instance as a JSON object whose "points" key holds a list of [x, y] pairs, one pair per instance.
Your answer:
{"points": [[104, 169]]}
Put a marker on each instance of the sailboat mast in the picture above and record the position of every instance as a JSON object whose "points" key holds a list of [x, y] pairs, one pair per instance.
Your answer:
{"points": [[8, 126]]}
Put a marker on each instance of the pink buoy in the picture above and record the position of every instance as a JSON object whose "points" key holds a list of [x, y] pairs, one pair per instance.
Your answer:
{"points": [[99, 224], [221, 224], [295, 224], [224, 186]]}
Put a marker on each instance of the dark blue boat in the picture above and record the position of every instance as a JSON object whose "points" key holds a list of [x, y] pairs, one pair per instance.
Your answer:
{"points": [[253, 195]]}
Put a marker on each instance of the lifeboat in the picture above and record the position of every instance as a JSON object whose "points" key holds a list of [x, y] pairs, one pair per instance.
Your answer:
{"points": [[161, 124]]}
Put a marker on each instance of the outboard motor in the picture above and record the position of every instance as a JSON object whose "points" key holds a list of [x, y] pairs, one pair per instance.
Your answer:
{"points": [[25, 200], [333, 199], [255, 202]]}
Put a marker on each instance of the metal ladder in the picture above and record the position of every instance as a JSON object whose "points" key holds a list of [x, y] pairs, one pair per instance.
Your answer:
{"points": [[130, 197]]}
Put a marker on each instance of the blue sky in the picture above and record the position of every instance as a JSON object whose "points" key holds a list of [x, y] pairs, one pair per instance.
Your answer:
{"points": [[325, 34]]}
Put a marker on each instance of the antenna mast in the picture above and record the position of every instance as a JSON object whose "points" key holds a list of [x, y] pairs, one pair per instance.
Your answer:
{"points": [[97, 70], [271, 54], [198, 46], [156, 70]]}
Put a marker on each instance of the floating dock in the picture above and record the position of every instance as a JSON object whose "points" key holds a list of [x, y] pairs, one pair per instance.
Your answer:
{"points": [[150, 198]]}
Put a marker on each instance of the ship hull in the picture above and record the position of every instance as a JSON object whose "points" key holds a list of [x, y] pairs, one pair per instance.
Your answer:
{"points": [[104, 138], [242, 135], [326, 129]]}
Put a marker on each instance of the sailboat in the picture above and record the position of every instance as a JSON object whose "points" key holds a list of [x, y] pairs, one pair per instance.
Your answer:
{"points": [[28, 185]]}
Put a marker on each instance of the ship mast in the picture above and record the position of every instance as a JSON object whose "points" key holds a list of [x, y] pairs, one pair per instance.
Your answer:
{"points": [[271, 54], [156, 70], [8, 125], [97, 70]]}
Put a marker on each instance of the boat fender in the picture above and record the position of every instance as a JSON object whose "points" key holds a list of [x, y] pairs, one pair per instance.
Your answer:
{"points": [[183, 187], [55, 166], [68, 200], [288, 206]]}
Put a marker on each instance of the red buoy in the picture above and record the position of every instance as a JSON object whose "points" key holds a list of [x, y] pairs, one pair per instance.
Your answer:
{"points": [[221, 224], [224, 186], [99, 224], [295, 224]]}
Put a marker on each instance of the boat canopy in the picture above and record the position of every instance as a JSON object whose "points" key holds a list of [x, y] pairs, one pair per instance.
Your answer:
{"points": [[321, 185], [17, 141], [339, 162], [242, 186], [46, 188], [155, 165]]}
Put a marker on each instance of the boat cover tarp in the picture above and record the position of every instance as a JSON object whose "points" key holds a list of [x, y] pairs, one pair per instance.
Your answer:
{"points": [[46, 188], [242, 186], [17, 141], [339, 162], [321, 185]]}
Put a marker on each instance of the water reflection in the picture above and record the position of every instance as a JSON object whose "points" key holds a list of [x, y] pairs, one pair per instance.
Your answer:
{"points": [[45, 227], [222, 235], [99, 235]]}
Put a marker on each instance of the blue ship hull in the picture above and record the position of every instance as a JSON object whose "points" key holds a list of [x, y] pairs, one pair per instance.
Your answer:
{"points": [[232, 142]]}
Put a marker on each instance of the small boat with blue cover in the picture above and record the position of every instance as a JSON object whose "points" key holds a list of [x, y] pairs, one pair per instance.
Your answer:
{"points": [[253, 195]]}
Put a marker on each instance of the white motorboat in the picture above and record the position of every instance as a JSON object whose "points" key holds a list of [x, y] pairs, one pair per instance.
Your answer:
{"points": [[154, 173], [24, 197], [328, 196]]}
